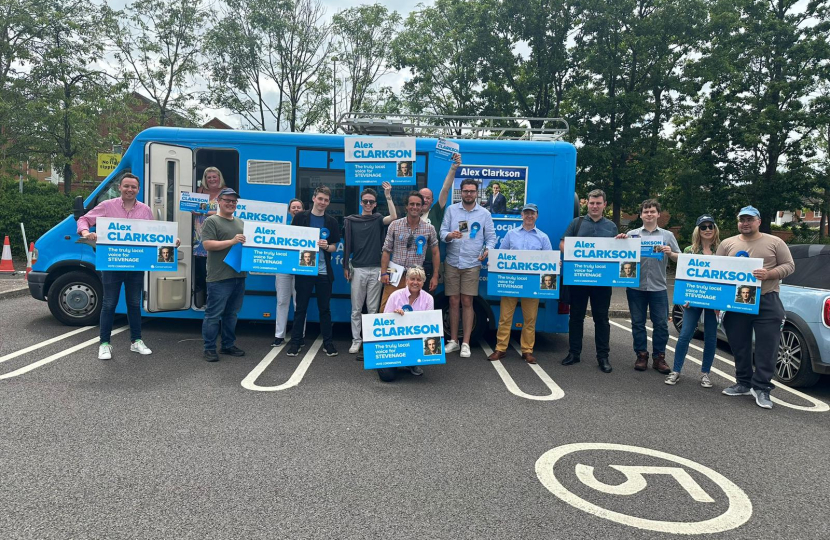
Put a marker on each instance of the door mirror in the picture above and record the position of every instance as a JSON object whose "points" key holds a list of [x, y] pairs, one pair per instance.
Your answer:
{"points": [[78, 208]]}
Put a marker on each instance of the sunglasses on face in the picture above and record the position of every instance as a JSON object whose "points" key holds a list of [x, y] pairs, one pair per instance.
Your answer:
{"points": [[705, 227], [368, 201]]}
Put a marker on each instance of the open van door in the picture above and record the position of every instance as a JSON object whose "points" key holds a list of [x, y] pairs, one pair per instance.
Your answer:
{"points": [[168, 173]]}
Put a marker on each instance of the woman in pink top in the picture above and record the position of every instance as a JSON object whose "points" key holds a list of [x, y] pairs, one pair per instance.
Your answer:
{"points": [[416, 298]]}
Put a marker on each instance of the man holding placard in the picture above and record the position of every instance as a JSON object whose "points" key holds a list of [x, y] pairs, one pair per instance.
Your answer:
{"points": [[651, 293], [594, 225], [225, 286], [524, 238], [434, 213], [469, 233], [321, 283], [767, 323], [124, 207]]}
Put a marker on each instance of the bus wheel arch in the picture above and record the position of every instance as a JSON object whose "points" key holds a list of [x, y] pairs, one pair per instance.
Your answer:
{"points": [[75, 297]]}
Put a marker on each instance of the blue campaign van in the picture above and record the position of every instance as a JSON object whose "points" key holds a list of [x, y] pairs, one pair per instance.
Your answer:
{"points": [[277, 167]]}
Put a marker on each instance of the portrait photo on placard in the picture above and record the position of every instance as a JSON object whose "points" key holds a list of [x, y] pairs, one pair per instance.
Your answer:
{"points": [[432, 346], [548, 282], [307, 258], [405, 169], [628, 269], [166, 254], [745, 294]]}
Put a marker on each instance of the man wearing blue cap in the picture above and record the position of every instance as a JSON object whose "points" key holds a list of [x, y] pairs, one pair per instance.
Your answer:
{"points": [[778, 264], [225, 286], [526, 237]]}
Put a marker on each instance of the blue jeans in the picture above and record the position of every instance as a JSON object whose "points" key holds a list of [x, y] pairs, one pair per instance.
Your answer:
{"points": [[224, 300], [657, 303], [133, 287], [710, 337]]}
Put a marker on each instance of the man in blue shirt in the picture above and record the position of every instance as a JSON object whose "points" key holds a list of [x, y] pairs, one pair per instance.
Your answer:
{"points": [[527, 237], [469, 233]]}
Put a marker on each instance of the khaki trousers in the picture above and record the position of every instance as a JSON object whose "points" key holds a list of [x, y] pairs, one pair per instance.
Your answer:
{"points": [[530, 307]]}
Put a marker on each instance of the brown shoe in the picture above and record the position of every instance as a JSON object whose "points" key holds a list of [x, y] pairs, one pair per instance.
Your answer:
{"points": [[659, 363], [642, 361], [528, 357], [497, 355]]}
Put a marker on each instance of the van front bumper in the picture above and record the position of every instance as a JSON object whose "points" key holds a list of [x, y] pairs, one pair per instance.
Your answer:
{"points": [[37, 285]]}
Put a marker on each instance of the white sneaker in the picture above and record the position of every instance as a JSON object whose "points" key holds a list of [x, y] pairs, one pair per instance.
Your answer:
{"points": [[465, 350], [355, 348], [104, 351], [139, 347], [451, 346]]}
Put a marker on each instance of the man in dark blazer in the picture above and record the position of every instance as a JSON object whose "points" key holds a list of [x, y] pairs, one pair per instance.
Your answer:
{"points": [[496, 202], [322, 282]]}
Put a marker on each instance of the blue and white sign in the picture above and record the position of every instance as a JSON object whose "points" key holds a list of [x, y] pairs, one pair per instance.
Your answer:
{"points": [[262, 212], [651, 247], [371, 161], [714, 282], [280, 249], [136, 245], [524, 274], [195, 202], [394, 340], [601, 261], [445, 149], [511, 180]]}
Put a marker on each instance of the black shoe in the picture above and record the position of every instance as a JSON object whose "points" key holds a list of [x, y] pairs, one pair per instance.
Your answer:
{"points": [[604, 365], [330, 350], [211, 356], [294, 348], [233, 350], [277, 342], [570, 360]]}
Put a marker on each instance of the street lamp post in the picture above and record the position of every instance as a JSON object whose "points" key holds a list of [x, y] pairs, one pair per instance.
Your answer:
{"points": [[334, 92]]}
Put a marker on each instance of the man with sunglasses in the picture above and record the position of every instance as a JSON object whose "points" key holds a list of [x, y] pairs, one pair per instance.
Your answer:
{"points": [[406, 244], [225, 286], [767, 324], [361, 256]]}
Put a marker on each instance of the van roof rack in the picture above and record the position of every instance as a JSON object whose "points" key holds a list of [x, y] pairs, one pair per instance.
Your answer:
{"points": [[456, 127]]}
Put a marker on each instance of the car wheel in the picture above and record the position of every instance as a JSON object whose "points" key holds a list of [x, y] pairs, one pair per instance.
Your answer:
{"points": [[75, 299], [794, 366]]}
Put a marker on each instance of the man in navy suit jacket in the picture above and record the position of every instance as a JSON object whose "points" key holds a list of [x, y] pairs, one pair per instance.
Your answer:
{"points": [[496, 202]]}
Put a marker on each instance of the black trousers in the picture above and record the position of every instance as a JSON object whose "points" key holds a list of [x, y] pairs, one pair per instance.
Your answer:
{"points": [[305, 285], [767, 325], [600, 298]]}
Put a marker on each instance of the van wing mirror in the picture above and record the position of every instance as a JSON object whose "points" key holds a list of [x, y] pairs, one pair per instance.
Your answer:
{"points": [[78, 207]]}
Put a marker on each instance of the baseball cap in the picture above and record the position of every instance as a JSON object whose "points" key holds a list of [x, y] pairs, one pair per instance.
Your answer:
{"points": [[749, 211], [530, 206], [703, 219], [228, 191]]}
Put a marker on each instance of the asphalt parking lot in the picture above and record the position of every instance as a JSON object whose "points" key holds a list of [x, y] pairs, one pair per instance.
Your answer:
{"points": [[267, 446]]}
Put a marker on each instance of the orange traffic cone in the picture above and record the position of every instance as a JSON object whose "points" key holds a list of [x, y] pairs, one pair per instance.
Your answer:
{"points": [[29, 260], [6, 266]]}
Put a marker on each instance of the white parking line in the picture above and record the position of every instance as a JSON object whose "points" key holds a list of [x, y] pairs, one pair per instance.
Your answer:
{"points": [[49, 359], [44, 343], [249, 382], [818, 406], [555, 391]]}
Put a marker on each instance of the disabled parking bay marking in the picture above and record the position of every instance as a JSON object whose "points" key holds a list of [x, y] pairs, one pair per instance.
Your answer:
{"points": [[818, 406], [66, 352], [249, 382], [738, 512], [555, 391]]}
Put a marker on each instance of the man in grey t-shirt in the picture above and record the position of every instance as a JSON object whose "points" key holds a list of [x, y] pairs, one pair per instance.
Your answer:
{"points": [[651, 294]]}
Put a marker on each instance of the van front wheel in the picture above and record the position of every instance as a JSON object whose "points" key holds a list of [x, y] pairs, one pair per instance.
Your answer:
{"points": [[75, 299]]}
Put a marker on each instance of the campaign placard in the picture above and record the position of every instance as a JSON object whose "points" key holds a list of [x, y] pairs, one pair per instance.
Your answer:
{"points": [[651, 247], [524, 274], [262, 212], [601, 261], [512, 183], [195, 202], [394, 340], [135, 245], [445, 149], [280, 249], [371, 161], [715, 282]]}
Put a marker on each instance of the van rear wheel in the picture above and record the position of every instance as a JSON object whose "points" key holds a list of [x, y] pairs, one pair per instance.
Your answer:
{"points": [[75, 299]]}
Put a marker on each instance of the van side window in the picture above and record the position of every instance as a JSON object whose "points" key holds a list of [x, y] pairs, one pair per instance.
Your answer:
{"points": [[110, 191]]}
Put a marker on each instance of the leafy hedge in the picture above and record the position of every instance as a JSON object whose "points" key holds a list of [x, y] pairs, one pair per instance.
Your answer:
{"points": [[40, 207]]}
